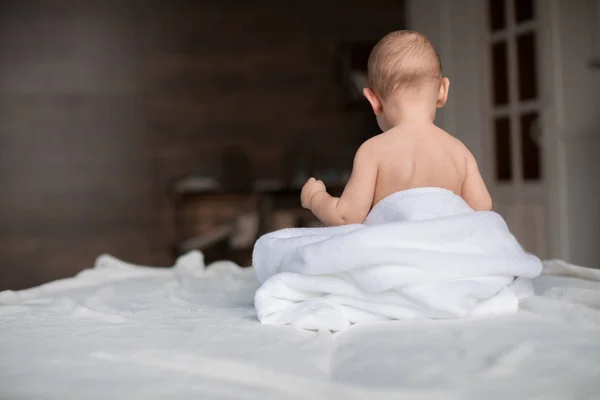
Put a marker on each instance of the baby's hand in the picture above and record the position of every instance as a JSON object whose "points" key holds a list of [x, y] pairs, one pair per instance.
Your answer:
{"points": [[310, 188]]}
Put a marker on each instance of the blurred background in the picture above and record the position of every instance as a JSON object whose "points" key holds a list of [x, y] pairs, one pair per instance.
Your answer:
{"points": [[144, 129]]}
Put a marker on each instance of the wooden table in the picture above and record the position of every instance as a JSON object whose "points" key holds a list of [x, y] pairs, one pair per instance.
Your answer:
{"points": [[271, 195]]}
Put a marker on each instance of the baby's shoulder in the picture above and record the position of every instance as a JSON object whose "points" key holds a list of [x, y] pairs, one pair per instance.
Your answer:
{"points": [[377, 147], [388, 148], [372, 145], [453, 141], [386, 139], [458, 151]]}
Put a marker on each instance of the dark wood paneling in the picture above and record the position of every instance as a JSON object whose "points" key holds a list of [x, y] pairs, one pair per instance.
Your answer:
{"points": [[102, 104]]}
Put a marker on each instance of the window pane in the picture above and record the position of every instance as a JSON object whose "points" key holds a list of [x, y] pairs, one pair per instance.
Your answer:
{"points": [[530, 150], [526, 60], [497, 15], [500, 73], [502, 149], [523, 10]]}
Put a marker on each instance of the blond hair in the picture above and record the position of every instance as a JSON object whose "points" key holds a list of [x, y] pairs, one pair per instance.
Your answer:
{"points": [[403, 60]]}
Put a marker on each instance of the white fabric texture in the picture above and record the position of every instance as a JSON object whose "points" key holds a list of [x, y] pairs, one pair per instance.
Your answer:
{"points": [[421, 254], [121, 331]]}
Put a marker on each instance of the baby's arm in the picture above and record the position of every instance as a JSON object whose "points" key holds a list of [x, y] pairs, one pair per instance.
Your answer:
{"points": [[474, 191], [356, 200]]}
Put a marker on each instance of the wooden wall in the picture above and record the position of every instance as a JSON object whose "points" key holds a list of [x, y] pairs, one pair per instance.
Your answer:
{"points": [[102, 103]]}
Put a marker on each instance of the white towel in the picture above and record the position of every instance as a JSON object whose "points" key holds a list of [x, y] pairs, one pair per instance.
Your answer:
{"points": [[421, 253]]}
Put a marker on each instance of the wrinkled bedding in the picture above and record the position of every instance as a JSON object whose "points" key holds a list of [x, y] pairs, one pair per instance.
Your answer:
{"points": [[122, 331]]}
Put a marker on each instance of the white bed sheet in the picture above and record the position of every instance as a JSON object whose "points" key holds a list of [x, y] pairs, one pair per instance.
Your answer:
{"points": [[127, 332]]}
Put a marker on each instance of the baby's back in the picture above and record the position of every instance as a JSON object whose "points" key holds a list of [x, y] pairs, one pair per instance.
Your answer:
{"points": [[409, 159]]}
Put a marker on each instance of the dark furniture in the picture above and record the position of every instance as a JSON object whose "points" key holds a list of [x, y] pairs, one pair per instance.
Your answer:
{"points": [[264, 199]]}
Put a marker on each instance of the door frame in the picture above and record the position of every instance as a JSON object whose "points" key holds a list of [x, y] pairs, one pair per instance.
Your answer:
{"points": [[552, 187], [553, 123]]}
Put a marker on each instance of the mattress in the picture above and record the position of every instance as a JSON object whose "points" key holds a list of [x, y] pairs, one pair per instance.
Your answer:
{"points": [[189, 331]]}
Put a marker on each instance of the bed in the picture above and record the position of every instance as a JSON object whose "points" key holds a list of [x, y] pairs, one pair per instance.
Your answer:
{"points": [[123, 331]]}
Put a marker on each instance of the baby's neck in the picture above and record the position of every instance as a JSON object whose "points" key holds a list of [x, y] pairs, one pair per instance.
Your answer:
{"points": [[410, 118], [409, 112]]}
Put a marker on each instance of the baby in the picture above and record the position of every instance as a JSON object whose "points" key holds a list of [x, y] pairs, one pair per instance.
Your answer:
{"points": [[406, 87]]}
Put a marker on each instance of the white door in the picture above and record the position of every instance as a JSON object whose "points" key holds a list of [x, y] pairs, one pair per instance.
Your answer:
{"points": [[513, 135]]}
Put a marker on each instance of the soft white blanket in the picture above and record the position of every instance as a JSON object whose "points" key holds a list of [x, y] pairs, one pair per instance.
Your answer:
{"points": [[421, 254], [122, 331]]}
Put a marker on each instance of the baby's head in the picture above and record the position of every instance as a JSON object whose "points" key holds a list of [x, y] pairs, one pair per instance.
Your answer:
{"points": [[404, 76]]}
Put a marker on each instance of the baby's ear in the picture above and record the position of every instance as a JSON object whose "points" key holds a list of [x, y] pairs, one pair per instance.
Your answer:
{"points": [[374, 100], [443, 93]]}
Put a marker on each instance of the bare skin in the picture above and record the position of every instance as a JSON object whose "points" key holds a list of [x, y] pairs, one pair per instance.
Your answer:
{"points": [[405, 157], [411, 153], [414, 157]]}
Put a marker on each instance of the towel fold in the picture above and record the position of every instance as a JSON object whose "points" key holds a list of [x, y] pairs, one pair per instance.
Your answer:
{"points": [[421, 253]]}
